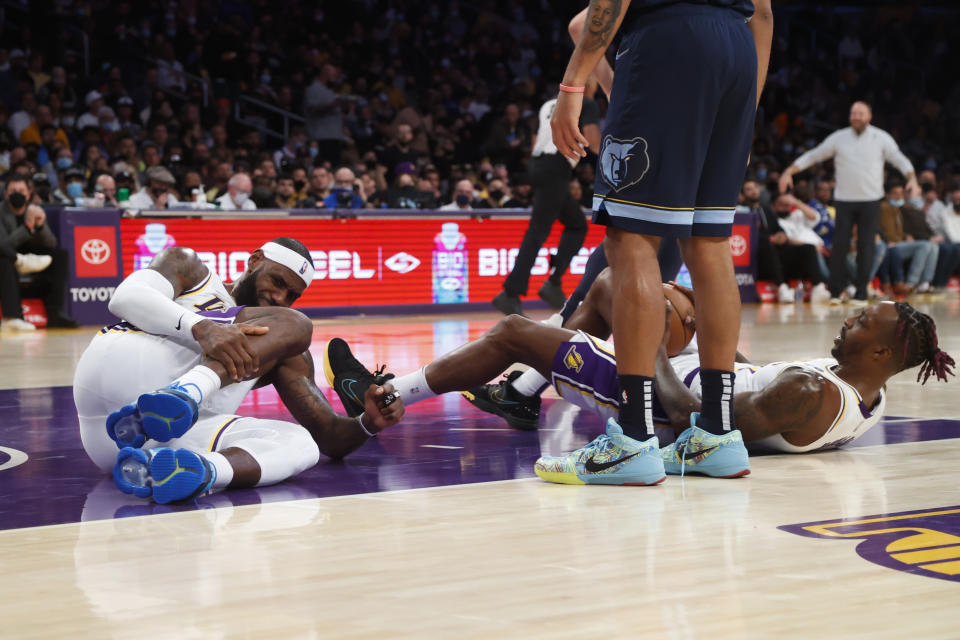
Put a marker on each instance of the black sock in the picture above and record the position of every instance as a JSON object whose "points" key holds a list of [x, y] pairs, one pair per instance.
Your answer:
{"points": [[716, 413], [636, 406]]}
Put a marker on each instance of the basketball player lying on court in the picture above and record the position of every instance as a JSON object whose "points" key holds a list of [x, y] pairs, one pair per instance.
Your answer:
{"points": [[791, 407], [187, 352]]}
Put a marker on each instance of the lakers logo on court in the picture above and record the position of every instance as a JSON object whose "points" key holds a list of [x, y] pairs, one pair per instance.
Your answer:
{"points": [[623, 162], [925, 542]]}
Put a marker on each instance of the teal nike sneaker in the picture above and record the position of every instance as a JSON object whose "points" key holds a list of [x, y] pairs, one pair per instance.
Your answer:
{"points": [[612, 458], [699, 451], [163, 474]]}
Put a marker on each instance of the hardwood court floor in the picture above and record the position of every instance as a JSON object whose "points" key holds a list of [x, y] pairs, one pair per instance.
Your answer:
{"points": [[853, 543]]}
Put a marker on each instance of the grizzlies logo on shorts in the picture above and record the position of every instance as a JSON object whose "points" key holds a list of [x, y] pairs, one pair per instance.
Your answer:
{"points": [[623, 163]]}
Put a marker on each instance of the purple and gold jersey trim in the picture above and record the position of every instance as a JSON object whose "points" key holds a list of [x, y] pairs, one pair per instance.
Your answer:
{"points": [[198, 288], [924, 542], [222, 316], [215, 440]]}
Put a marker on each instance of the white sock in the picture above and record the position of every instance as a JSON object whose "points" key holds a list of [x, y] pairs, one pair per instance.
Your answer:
{"points": [[223, 467], [556, 320], [413, 387], [200, 382], [529, 383]]}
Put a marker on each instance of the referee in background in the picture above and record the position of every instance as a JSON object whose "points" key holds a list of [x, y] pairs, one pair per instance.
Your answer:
{"points": [[550, 175], [859, 153]]}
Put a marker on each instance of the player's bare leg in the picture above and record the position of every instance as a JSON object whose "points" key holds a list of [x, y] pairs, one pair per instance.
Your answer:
{"points": [[636, 293], [718, 320]]}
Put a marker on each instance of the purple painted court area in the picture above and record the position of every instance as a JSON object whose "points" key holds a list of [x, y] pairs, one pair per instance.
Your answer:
{"points": [[444, 441]]}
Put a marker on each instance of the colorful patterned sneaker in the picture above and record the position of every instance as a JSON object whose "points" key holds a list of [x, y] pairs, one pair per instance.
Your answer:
{"points": [[348, 377], [612, 458], [162, 415], [501, 399], [164, 474], [699, 451]]}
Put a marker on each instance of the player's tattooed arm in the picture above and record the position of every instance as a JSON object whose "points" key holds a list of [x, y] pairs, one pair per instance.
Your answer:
{"points": [[336, 436], [603, 16], [799, 404]]}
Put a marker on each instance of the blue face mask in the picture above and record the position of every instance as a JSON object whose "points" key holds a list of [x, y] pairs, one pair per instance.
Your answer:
{"points": [[75, 190], [916, 202], [463, 199], [314, 152], [897, 203], [762, 174], [64, 163]]}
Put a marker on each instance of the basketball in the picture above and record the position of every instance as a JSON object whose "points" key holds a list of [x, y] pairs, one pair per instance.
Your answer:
{"points": [[680, 332]]}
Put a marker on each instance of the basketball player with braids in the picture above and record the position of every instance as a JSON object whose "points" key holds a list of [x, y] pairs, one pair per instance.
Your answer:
{"points": [[789, 407], [157, 393]]}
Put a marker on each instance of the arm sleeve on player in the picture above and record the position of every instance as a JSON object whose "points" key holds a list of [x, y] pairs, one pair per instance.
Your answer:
{"points": [[823, 151], [145, 299]]}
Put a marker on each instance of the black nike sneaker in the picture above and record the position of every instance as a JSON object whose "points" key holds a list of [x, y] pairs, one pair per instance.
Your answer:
{"points": [[348, 377], [501, 399]]}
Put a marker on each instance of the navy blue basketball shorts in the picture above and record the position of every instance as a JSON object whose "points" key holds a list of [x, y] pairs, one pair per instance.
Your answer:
{"points": [[680, 123]]}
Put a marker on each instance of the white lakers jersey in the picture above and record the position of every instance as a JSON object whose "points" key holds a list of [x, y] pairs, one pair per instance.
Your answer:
{"points": [[853, 418], [169, 356], [208, 295]]}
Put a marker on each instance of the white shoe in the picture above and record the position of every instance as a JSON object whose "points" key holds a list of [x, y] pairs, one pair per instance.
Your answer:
{"points": [[924, 287], [836, 302], [857, 302], [31, 263], [820, 294], [851, 291], [785, 294], [18, 324]]}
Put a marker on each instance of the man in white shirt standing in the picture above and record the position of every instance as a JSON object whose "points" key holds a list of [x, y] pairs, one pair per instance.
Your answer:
{"points": [[859, 153], [238, 194]]}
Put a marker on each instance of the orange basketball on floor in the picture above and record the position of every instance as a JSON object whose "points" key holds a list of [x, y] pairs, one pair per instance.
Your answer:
{"points": [[681, 333]]}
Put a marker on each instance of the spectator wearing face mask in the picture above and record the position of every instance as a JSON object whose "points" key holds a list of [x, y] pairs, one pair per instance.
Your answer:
{"points": [[27, 245], [922, 254], [72, 188], [239, 188], [346, 191], [156, 194], [462, 197]]}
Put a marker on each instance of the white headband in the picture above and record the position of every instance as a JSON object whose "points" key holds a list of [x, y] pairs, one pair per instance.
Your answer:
{"points": [[290, 259]]}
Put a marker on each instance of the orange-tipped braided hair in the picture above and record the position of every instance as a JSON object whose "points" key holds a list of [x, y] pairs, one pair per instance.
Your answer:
{"points": [[919, 334]]}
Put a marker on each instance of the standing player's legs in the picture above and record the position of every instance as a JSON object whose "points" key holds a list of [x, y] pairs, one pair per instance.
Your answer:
{"points": [[658, 126], [712, 445], [842, 235], [868, 225]]}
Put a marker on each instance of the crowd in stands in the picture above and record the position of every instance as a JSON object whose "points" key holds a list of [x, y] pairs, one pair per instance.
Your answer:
{"points": [[917, 249], [429, 104]]}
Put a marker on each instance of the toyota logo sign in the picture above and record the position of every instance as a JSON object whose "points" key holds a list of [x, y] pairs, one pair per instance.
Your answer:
{"points": [[95, 251], [738, 245]]}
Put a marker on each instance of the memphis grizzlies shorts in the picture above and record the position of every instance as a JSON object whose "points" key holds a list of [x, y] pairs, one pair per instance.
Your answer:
{"points": [[680, 123]]}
